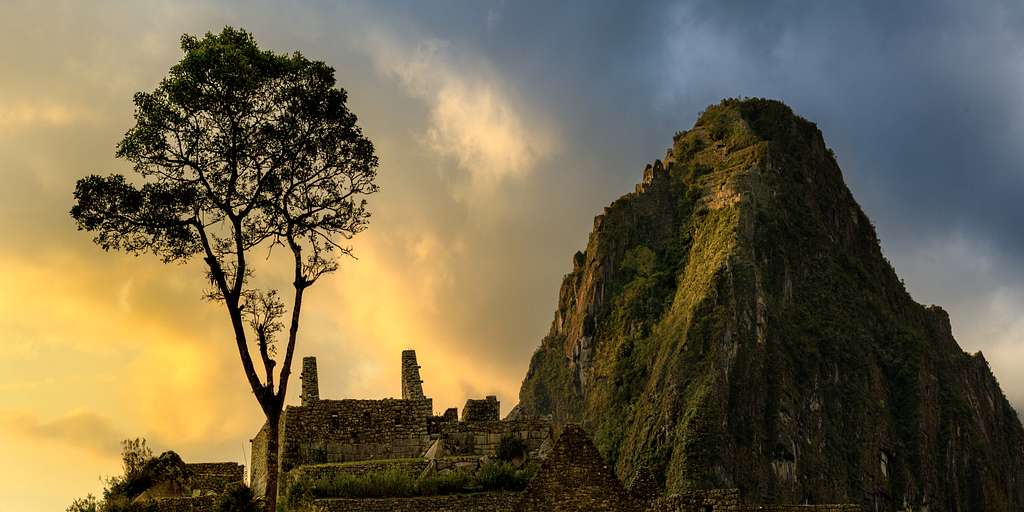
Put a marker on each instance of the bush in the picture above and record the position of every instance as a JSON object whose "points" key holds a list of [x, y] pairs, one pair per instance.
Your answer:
{"points": [[511, 448], [238, 498], [502, 476], [86, 504], [445, 483], [168, 467]]}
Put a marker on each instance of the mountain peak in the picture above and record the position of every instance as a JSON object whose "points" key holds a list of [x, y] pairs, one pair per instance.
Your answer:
{"points": [[733, 323]]}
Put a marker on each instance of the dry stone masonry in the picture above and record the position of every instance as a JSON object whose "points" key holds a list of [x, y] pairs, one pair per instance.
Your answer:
{"points": [[310, 384], [481, 410], [412, 385], [327, 432], [575, 478], [215, 477], [480, 502]]}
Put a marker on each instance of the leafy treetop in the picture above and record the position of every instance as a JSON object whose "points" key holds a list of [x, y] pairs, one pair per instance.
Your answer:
{"points": [[235, 148]]}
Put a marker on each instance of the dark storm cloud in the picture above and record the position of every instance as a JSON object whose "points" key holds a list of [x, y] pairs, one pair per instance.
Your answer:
{"points": [[922, 102]]}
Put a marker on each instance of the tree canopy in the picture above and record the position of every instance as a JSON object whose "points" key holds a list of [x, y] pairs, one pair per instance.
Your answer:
{"points": [[238, 147]]}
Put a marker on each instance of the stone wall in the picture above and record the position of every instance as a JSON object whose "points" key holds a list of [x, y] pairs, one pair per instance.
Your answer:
{"points": [[258, 462], [487, 409], [728, 500], [412, 385], [451, 415], [482, 437], [215, 476], [310, 381], [804, 508], [481, 502], [338, 431], [353, 430], [191, 504]]}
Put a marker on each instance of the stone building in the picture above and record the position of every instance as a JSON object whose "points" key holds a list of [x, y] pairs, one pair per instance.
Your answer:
{"points": [[323, 431]]}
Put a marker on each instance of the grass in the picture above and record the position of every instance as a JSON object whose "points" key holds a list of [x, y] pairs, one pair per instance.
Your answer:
{"points": [[396, 483]]}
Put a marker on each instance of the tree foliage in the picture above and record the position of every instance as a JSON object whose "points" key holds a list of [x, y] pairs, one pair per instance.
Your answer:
{"points": [[238, 147]]}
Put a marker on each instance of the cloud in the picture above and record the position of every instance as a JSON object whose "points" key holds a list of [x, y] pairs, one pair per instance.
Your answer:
{"points": [[25, 114], [984, 311], [1004, 342], [399, 296], [475, 118], [78, 429], [699, 59]]}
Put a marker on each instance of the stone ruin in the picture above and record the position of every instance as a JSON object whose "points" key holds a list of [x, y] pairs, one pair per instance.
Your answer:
{"points": [[325, 431], [322, 438], [200, 490]]}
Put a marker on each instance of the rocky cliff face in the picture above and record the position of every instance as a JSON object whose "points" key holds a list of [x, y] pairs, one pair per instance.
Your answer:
{"points": [[733, 323]]}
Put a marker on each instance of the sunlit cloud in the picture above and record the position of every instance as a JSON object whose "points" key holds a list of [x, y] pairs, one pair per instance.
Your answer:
{"points": [[1004, 342], [94, 334], [476, 120], [30, 114], [79, 429], [388, 307]]}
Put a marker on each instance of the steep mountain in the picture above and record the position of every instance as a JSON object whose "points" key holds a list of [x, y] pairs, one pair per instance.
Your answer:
{"points": [[733, 323]]}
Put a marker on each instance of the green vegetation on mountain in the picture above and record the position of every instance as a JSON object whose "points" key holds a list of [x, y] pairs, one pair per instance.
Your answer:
{"points": [[733, 323]]}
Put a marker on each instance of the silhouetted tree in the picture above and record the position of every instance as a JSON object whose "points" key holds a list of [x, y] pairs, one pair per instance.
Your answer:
{"points": [[239, 148]]}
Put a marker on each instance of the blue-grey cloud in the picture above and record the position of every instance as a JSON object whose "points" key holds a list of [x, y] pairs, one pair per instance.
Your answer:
{"points": [[920, 100]]}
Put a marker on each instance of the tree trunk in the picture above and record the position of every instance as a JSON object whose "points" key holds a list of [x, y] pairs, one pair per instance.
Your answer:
{"points": [[273, 430]]}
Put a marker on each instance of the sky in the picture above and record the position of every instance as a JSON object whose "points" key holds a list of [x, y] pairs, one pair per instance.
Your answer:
{"points": [[502, 129]]}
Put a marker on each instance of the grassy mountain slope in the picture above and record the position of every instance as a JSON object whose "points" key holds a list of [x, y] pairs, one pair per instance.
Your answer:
{"points": [[733, 323]]}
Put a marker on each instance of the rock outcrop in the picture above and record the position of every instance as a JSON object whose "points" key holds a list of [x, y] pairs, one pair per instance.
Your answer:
{"points": [[733, 324]]}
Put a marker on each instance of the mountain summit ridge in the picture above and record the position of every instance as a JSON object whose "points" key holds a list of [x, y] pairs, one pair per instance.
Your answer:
{"points": [[733, 323]]}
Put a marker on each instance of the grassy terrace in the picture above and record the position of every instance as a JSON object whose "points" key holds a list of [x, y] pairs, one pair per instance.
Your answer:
{"points": [[395, 480]]}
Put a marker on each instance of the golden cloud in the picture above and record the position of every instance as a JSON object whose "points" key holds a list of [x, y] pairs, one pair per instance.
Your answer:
{"points": [[395, 298], [21, 114], [78, 429], [476, 119]]}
